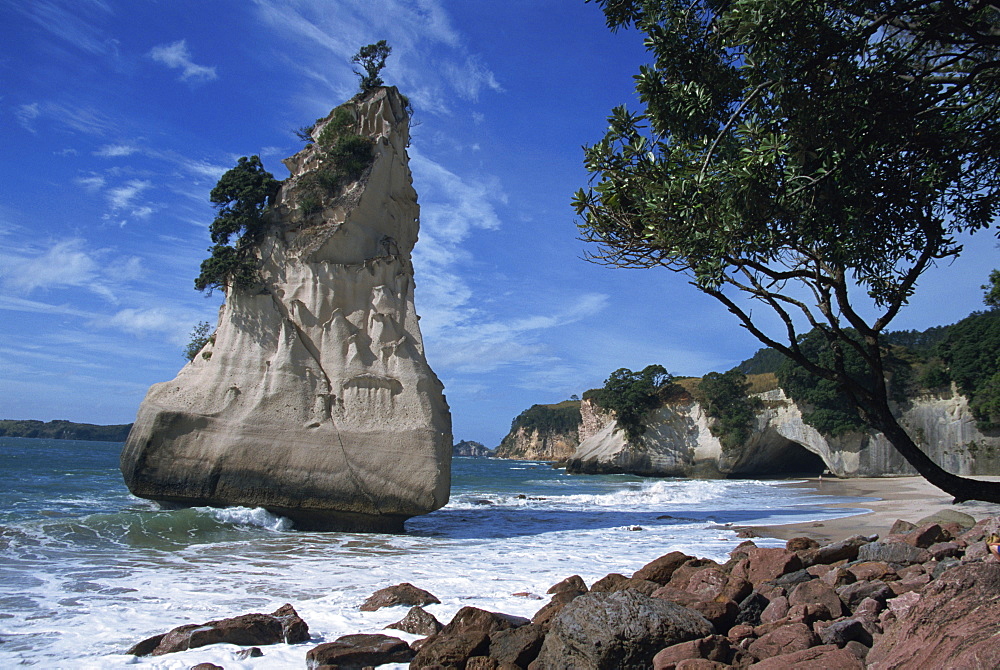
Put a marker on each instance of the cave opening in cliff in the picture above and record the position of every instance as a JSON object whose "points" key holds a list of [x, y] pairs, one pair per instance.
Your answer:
{"points": [[781, 457]]}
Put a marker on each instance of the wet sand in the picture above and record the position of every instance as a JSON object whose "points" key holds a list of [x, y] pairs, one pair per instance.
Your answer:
{"points": [[888, 498]]}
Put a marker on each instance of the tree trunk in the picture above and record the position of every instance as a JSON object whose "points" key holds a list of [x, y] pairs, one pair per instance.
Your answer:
{"points": [[962, 488]]}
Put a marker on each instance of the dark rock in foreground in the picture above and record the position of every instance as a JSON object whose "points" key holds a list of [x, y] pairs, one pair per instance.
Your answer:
{"points": [[282, 625]]}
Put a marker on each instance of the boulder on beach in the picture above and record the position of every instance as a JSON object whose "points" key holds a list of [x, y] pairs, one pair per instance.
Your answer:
{"points": [[313, 398], [400, 594], [282, 625]]}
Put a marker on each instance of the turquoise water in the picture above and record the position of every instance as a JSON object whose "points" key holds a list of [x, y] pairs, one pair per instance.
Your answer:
{"points": [[86, 569]]}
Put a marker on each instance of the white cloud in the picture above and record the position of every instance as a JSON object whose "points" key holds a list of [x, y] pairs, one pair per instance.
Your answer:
{"points": [[122, 197], [64, 265], [26, 115], [92, 183], [175, 323], [429, 59], [470, 77], [176, 56], [116, 150]]}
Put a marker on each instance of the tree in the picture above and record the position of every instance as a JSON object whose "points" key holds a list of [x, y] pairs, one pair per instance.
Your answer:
{"points": [[241, 197], [631, 395], [371, 58], [809, 157], [992, 298], [200, 335], [727, 399]]}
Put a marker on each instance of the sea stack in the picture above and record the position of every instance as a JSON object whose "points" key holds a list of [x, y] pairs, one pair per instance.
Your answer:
{"points": [[313, 399]]}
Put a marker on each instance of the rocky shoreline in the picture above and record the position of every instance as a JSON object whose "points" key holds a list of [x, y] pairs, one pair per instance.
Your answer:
{"points": [[926, 594]]}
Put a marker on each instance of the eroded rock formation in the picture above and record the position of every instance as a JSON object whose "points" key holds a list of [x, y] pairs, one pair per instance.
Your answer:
{"points": [[314, 399], [679, 442]]}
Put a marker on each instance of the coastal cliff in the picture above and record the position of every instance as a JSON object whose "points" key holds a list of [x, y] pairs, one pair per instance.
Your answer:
{"points": [[543, 433], [313, 399], [679, 442]]}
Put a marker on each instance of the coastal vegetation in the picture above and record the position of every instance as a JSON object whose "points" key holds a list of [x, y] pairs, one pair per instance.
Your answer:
{"points": [[726, 397], [632, 395], [200, 336], [59, 429], [563, 417], [241, 198], [751, 171]]}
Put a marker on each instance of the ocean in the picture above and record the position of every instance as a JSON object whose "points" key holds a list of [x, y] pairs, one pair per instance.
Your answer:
{"points": [[87, 570]]}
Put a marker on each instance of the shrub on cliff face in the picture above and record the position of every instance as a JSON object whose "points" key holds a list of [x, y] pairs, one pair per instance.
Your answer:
{"points": [[563, 417], [631, 395], [726, 398], [241, 197], [344, 154]]}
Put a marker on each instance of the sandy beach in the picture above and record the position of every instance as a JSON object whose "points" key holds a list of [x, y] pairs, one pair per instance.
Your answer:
{"points": [[888, 498]]}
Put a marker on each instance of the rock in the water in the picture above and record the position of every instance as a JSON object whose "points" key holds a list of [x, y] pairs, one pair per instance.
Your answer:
{"points": [[283, 625], [623, 630], [418, 621], [359, 651], [313, 399], [400, 594]]}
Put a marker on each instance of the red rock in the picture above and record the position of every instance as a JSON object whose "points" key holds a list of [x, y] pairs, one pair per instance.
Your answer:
{"points": [[293, 627], [954, 624], [517, 646], [809, 614], [901, 604], [801, 544], [675, 595], [701, 664], [869, 608], [837, 577], [684, 574], [359, 651], [714, 584], [574, 583], [926, 535], [942, 550], [713, 648], [816, 592], [852, 594], [740, 632], [846, 549], [544, 616], [470, 619], [451, 651], [721, 614], [869, 570], [776, 610], [662, 569], [401, 594], [902, 586], [901, 527], [826, 657], [786, 639], [610, 583], [417, 621], [770, 564]]}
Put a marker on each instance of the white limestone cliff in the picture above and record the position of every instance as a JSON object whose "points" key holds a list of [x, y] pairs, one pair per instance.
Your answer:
{"points": [[678, 442], [314, 399]]}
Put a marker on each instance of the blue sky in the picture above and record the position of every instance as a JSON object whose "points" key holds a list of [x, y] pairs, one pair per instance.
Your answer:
{"points": [[118, 118]]}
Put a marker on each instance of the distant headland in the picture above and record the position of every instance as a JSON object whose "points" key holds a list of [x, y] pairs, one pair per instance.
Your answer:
{"points": [[59, 429]]}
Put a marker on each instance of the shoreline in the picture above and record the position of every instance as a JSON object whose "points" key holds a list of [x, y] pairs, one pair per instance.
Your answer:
{"points": [[888, 498]]}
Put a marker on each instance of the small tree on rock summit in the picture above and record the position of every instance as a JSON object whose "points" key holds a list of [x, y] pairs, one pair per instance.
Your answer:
{"points": [[371, 58]]}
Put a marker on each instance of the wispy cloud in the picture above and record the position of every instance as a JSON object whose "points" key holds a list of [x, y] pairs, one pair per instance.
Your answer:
{"points": [[430, 59], [75, 23], [65, 264], [177, 56], [116, 150], [123, 197], [26, 115]]}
